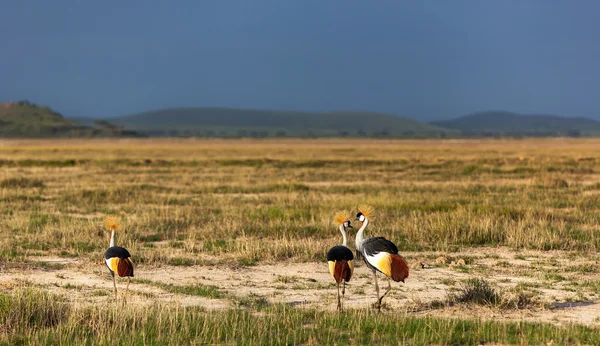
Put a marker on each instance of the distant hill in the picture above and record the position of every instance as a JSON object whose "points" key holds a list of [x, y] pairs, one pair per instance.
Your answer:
{"points": [[28, 120], [500, 123], [229, 122]]}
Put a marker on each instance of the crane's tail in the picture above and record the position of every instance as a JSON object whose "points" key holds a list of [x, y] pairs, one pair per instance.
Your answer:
{"points": [[399, 268], [341, 270], [125, 267]]}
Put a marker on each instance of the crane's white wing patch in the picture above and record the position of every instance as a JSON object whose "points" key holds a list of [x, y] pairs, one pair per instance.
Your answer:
{"points": [[375, 259], [112, 263]]}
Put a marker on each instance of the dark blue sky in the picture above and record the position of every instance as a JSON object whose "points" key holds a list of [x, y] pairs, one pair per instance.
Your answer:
{"points": [[423, 59]]}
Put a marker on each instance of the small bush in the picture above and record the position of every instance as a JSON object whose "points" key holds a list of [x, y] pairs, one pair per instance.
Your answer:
{"points": [[481, 292], [478, 291]]}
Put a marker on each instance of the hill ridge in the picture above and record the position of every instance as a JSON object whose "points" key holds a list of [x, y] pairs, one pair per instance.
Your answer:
{"points": [[233, 122], [497, 123], [29, 120]]}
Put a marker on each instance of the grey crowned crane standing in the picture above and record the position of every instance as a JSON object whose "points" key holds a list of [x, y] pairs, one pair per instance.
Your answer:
{"points": [[340, 257], [379, 254], [118, 259]]}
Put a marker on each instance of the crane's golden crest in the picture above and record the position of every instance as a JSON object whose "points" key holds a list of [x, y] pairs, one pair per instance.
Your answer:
{"points": [[340, 217], [367, 210], [112, 222]]}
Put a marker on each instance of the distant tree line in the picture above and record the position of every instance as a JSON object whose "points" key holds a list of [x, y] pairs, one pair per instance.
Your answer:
{"points": [[245, 133], [521, 134]]}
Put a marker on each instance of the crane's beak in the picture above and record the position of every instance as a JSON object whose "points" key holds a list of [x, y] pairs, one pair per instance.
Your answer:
{"points": [[350, 226]]}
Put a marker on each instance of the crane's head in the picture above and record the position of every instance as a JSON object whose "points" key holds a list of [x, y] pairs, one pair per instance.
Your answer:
{"points": [[342, 217], [365, 212], [360, 217], [112, 222]]}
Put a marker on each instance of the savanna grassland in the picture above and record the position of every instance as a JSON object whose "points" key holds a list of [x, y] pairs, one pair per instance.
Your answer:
{"points": [[229, 239]]}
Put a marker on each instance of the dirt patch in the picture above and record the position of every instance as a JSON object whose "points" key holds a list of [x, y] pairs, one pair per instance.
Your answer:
{"points": [[563, 285]]}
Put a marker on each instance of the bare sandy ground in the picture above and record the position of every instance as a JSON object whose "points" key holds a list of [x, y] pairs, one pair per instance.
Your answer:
{"points": [[564, 286]]}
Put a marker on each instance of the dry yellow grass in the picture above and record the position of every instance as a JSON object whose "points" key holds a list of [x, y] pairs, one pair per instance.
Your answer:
{"points": [[257, 202], [205, 201]]}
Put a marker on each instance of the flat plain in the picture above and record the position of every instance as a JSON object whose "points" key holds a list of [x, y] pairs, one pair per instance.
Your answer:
{"points": [[229, 239]]}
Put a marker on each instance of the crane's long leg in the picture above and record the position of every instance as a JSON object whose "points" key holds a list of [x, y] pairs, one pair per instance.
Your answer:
{"points": [[339, 306], [377, 290], [128, 281], [115, 285], [343, 292], [387, 290]]}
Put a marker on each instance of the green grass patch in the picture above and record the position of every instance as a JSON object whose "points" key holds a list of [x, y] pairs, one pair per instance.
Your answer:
{"points": [[21, 183], [198, 289]]}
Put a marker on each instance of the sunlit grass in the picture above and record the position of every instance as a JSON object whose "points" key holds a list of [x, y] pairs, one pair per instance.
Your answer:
{"points": [[33, 317], [252, 202]]}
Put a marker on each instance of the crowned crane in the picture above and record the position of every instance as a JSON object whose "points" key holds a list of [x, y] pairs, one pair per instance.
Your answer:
{"points": [[340, 257], [379, 254], [117, 258]]}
